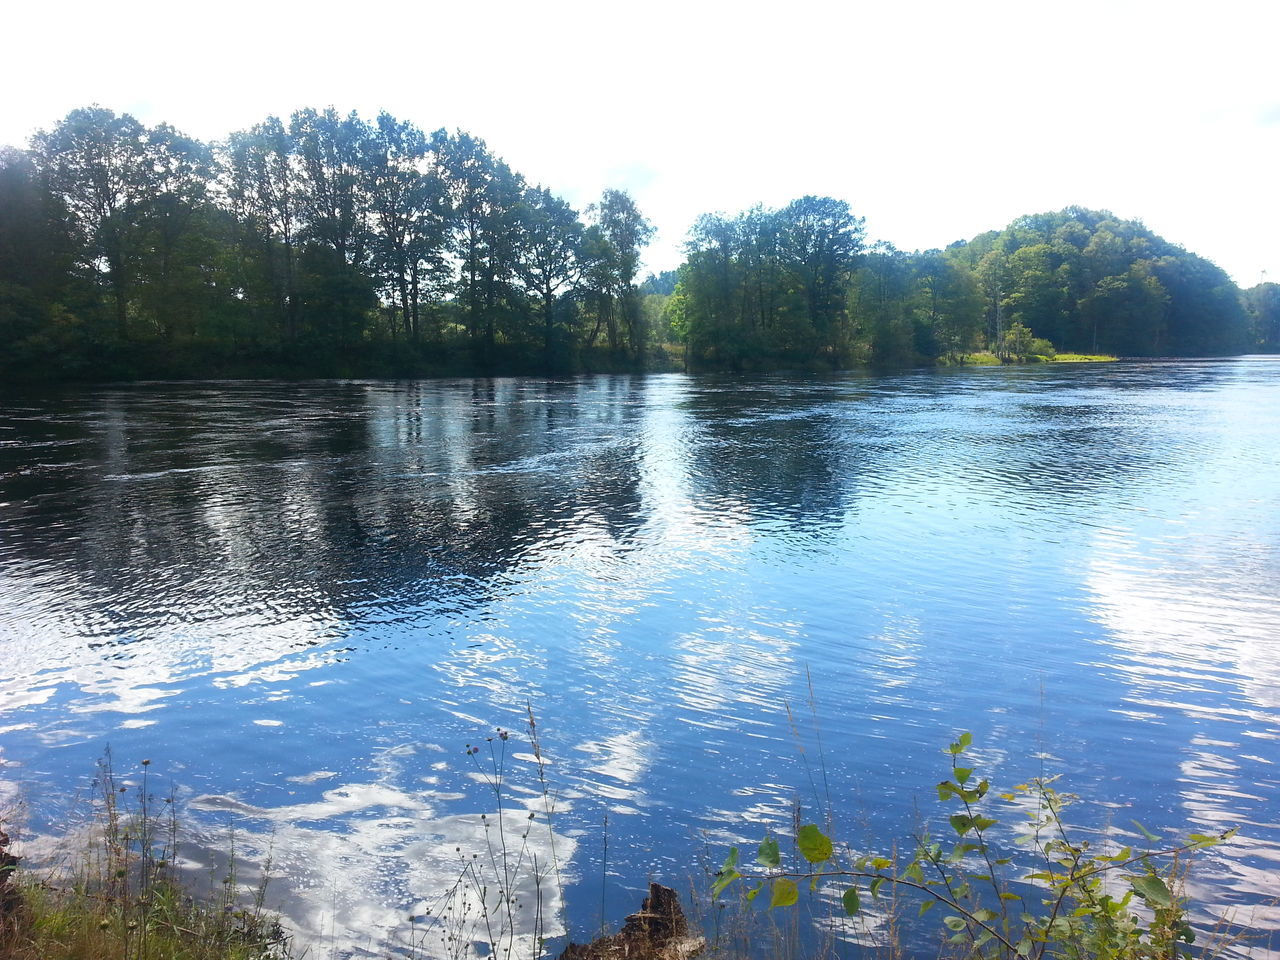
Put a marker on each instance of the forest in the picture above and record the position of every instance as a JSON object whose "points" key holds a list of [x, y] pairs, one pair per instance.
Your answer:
{"points": [[331, 245]]}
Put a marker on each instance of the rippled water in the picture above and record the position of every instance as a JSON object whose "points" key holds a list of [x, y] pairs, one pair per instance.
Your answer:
{"points": [[302, 602]]}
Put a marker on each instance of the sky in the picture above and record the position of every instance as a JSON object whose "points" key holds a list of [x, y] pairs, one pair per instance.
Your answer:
{"points": [[935, 121]]}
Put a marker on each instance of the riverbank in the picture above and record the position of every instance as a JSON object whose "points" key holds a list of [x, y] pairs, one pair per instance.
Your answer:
{"points": [[117, 895], [121, 898]]}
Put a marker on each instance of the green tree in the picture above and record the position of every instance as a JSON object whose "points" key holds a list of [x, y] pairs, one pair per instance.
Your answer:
{"points": [[94, 162], [330, 196], [261, 189], [549, 243], [406, 198], [819, 240], [177, 239], [1262, 303], [1127, 314], [627, 232]]}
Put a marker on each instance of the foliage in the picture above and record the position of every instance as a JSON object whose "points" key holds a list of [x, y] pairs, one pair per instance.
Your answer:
{"points": [[1061, 898], [321, 242], [123, 899]]}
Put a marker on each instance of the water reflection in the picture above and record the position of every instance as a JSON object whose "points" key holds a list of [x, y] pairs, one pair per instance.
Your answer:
{"points": [[372, 866], [716, 595]]}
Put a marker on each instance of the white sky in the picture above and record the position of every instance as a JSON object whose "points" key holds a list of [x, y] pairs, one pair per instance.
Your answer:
{"points": [[934, 120]]}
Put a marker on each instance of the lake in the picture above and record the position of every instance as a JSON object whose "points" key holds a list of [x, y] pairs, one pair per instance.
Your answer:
{"points": [[721, 597]]}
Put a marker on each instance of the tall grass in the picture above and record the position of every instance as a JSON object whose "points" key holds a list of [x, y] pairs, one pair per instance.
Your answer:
{"points": [[116, 895], [499, 900]]}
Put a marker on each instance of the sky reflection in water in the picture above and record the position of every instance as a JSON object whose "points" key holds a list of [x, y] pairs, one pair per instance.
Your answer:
{"points": [[302, 601]]}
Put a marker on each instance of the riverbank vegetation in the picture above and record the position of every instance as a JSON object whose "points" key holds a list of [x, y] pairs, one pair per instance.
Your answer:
{"points": [[332, 245], [1030, 889], [118, 896]]}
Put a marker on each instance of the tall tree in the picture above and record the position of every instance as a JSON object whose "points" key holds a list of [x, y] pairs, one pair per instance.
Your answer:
{"points": [[407, 204], [262, 189], [819, 239], [173, 262], [551, 235], [331, 197], [95, 163], [627, 232]]}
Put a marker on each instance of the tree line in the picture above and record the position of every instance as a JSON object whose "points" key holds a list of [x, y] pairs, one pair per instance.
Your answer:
{"points": [[324, 243], [800, 284], [328, 244]]}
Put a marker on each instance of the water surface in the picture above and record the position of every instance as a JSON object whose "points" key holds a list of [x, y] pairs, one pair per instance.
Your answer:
{"points": [[720, 597]]}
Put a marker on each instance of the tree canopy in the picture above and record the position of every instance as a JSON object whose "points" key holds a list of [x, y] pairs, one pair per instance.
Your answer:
{"points": [[328, 244]]}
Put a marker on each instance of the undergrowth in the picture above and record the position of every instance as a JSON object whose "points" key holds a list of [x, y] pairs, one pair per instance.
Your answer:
{"points": [[1020, 887], [1049, 894], [118, 896]]}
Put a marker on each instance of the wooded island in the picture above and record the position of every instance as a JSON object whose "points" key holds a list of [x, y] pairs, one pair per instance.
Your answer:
{"points": [[329, 245]]}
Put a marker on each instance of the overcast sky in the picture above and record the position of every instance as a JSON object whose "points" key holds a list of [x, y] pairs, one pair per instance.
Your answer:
{"points": [[934, 120]]}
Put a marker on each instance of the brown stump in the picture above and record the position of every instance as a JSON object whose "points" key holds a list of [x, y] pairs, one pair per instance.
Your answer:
{"points": [[658, 932]]}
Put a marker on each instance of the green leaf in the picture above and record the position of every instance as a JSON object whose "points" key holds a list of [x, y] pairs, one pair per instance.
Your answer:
{"points": [[731, 860], [814, 845], [851, 902], [785, 893], [1144, 831], [963, 774], [1153, 890], [945, 789], [754, 892], [876, 884], [960, 823], [927, 906], [953, 923], [768, 855], [725, 877], [984, 823]]}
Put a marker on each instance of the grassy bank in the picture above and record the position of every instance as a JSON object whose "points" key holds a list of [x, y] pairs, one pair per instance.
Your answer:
{"points": [[986, 359], [1010, 879], [118, 896]]}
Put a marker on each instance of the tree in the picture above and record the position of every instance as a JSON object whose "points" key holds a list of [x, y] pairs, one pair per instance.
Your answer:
{"points": [[94, 162], [261, 187], [627, 232], [550, 238], [819, 239], [330, 194], [406, 198], [1262, 302], [41, 299], [175, 249], [1127, 313]]}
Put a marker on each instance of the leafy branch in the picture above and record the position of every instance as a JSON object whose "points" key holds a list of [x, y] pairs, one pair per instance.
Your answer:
{"points": [[1081, 914]]}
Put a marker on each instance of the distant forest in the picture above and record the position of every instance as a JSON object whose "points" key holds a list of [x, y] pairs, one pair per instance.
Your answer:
{"points": [[329, 245]]}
